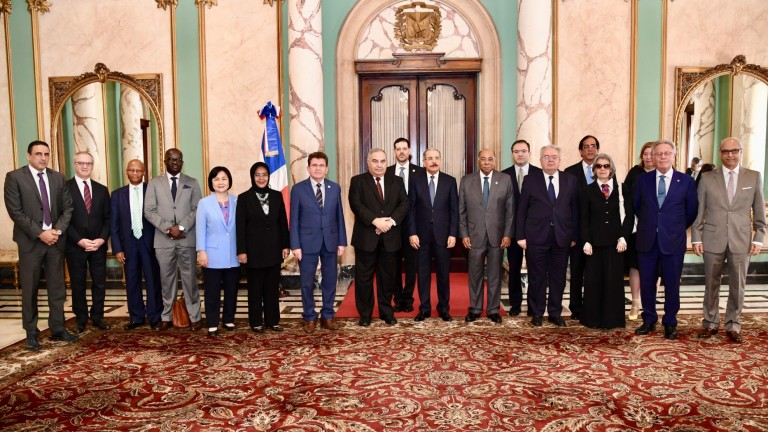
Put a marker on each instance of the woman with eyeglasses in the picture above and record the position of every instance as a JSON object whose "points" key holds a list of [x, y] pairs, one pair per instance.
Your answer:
{"points": [[262, 245], [607, 219]]}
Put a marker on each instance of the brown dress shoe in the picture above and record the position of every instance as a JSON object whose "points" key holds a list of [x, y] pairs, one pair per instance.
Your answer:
{"points": [[163, 326], [197, 325], [734, 336], [329, 324], [706, 333], [309, 326]]}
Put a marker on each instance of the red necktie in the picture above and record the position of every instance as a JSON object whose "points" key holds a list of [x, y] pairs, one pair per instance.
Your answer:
{"points": [[378, 187], [87, 196], [606, 190]]}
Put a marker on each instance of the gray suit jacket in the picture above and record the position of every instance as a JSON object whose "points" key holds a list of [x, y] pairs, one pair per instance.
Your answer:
{"points": [[22, 200], [497, 220], [719, 224], [162, 212]]}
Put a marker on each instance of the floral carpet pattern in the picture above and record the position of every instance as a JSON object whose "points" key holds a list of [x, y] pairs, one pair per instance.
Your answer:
{"points": [[430, 376]]}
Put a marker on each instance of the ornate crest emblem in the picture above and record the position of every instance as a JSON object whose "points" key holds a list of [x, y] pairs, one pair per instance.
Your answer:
{"points": [[417, 26]]}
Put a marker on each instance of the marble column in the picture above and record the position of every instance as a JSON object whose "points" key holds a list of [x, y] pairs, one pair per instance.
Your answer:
{"points": [[131, 113], [534, 73], [703, 124], [88, 125], [305, 78], [749, 119]]}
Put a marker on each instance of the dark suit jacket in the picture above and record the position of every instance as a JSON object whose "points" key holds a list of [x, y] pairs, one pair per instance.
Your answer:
{"points": [[413, 170], [263, 237], [442, 217], [22, 200], [535, 213], [312, 226], [601, 219], [669, 222], [120, 219], [88, 225], [512, 172], [577, 171], [366, 205]]}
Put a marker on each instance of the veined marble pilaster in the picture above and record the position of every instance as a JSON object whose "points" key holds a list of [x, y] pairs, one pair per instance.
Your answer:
{"points": [[305, 73], [703, 123], [534, 72], [7, 137], [88, 126], [131, 113], [750, 110]]}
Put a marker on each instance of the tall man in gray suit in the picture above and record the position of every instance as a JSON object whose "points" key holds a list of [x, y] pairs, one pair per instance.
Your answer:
{"points": [[40, 207], [731, 212], [486, 215], [170, 204]]}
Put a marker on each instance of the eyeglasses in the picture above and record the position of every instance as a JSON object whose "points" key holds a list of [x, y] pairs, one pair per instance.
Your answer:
{"points": [[600, 166], [725, 152], [265, 175], [550, 157], [173, 159], [664, 154], [83, 164], [523, 151], [588, 146]]}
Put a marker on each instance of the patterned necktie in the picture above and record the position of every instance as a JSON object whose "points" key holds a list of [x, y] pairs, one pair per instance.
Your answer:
{"points": [[378, 188], [87, 197], [173, 188], [520, 177], [136, 210], [662, 193], [589, 175], [606, 190], [486, 191], [551, 190], [319, 195], [432, 190], [731, 187], [44, 197]]}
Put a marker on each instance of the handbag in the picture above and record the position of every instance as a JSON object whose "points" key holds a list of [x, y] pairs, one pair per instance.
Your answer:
{"points": [[179, 313]]}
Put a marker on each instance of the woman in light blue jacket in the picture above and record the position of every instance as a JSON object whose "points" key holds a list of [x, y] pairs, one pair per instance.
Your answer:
{"points": [[217, 250]]}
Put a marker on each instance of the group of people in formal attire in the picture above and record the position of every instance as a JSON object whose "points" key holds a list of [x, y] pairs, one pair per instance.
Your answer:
{"points": [[407, 220]]}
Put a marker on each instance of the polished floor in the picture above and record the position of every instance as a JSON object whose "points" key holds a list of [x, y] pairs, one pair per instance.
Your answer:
{"points": [[11, 331]]}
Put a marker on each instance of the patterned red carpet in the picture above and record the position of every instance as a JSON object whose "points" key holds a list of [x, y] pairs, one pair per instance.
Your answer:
{"points": [[411, 377]]}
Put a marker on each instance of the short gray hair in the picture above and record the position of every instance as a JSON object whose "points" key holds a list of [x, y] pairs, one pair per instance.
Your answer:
{"points": [[667, 142], [608, 158], [548, 146]]}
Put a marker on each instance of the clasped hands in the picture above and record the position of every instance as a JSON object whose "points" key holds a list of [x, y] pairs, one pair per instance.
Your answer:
{"points": [[383, 224], [621, 246], [49, 236], [175, 233], [89, 245]]}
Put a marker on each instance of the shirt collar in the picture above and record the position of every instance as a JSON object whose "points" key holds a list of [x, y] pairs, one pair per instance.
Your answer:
{"points": [[34, 171]]}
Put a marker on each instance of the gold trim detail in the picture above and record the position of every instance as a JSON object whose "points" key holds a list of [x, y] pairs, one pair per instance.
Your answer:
{"points": [[271, 2], [209, 3], [39, 6], [175, 79], [5, 7], [11, 106], [165, 3], [417, 26], [280, 69], [554, 73], [37, 72], [664, 15], [203, 85], [633, 84]]}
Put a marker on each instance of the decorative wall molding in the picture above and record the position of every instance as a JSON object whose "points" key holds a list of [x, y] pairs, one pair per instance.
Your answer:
{"points": [[5, 7], [209, 3], [270, 2], [165, 3], [39, 6]]}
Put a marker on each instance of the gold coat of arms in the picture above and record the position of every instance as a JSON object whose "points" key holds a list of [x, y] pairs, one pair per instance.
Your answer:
{"points": [[417, 26]]}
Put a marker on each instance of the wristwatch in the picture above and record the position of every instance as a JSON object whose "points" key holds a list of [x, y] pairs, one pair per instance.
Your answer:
{"points": [[181, 228], [58, 232]]}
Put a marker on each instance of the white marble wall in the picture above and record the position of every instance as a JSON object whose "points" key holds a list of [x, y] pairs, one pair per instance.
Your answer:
{"points": [[132, 140], [702, 133], [593, 82], [534, 73], [750, 111], [242, 62], [7, 163], [88, 128]]}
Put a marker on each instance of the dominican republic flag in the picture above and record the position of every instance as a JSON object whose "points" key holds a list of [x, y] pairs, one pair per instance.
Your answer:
{"points": [[272, 149]]}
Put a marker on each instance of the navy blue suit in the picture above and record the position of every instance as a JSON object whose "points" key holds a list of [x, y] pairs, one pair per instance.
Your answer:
{"points": [[433, 223], [577, 257], [661, 239], [548, 231], [139, 258]]}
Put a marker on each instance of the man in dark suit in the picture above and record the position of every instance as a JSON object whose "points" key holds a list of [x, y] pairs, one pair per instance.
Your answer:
{"points": [[546, 228], [317, 235], [40, 207], [87, 242], [433, 224], [589, 147], [486, 217], [665, 205], [407, 256], [521, 153], [133, 245], [380, 206], [694, 170]]}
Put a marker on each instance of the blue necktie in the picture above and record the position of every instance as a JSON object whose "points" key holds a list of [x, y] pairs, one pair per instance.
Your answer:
{"points": [[589, 175], [662, 190], [551, 191], [432, 190], [486, 192]]}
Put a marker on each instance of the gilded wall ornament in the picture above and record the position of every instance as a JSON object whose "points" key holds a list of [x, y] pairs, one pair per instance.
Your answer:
{"points": [[5, 7], [165, 3], [210, 3], [417, 26], [40, 6]]}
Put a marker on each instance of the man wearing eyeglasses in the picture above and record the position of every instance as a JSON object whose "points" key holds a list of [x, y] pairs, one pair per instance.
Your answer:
{"points": [[731, 209], [665, 206], [589, 147], [87, 242]]}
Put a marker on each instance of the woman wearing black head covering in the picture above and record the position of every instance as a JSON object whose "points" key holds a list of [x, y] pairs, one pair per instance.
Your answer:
{"points": [[262, 245]]}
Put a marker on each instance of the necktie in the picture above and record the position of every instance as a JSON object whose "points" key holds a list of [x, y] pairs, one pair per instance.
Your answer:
{"points": [[589, 175], [731, 187], [319, 195], [136, 211], [520, 177], [551, 190], [432, 190], [87, 197], [486, 191], [662, 190], [173, 188], [606, 190], [378, 188], [44, 198], [402, 173]]}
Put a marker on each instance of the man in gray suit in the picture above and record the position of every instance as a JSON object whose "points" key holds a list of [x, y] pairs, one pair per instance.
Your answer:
{"points": [[731, 212], [170, 205], [40, 206], [486, 213]]}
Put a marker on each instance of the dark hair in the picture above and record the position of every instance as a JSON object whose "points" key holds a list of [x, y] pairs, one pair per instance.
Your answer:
{"points": [[401, 139], [36, 143], [521, 141], [214, 172], [581, 143], [317, 155], [256, 166], [695, 160], [706, 168]]}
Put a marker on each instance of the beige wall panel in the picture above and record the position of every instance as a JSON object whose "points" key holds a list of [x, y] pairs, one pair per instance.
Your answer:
{"points": [[6, 144], [593, 85], [242, 62], [711, 32], [128, 36]]}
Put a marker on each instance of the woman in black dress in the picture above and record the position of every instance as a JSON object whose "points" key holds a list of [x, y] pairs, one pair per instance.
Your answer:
{"points": [[262, 245], [607, 219]]}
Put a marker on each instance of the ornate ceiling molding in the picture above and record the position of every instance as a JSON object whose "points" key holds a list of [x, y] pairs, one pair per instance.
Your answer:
{"points": [[39, 6], [209, 3], [5, 7], [165, 3], [269, 2]]}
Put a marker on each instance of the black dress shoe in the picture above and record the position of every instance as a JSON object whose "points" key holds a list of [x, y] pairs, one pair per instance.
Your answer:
{"points": [[514, 311], [229, 327], [421, 316], [364, 322], [495, 318], [133, 325], [101, 325], [257, 329], [79, 328], [213, 333], [153, 324], [63, 336], [670, 332], [646, 328], [390, 321], [33, 344], [537, 321], [446, 317], [558, 321], [471, 317], [275, 328]]}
